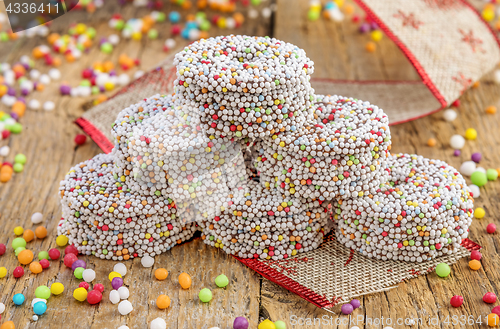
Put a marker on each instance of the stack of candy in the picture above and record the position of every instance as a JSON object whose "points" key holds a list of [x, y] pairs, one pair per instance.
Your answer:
{"points": [[247, 153]]}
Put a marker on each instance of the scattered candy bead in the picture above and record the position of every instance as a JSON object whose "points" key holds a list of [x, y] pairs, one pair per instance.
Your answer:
{"points": [[94, 297], [346, 309], [69, 259], [88, 275], [113, 275], [80, 139], [240, 323], [431, 142], [125, 307], [492, 174], [489, 298], [42, 292], [491, 228], [163, 302], [28, 235], [37, 218], [450, 115], [205, 295], [41, 232], [99, 287], [18, 230], [476, 255], [476, 157], [471, 134], [478, 178], [78, 263], [57, 288], [18, 299], [479, 212], [78, 272], [117, 282], [25, 257], [3, 248], [158, 323], [457, 142], [35, 268], [71, 249], [54, 254], [114, 297], [185, 280], [18, 242], [493, 320], [355, 303], [456, 301], [282, 325], [18, 272], [123, 292], [40, 308], [2, 308], [62, 240], [495, 310], [8, 325], [474, 265], [443, 270], [474, 190], [80, 294], [3, 272], [161, 274], [120, 268], [84, 285], [266, 324], [147, 261], [43, 255], [492, 109], [221, 281]]}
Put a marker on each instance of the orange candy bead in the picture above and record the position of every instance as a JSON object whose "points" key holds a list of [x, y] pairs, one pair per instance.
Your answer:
{"points": [[493, 320], [371, 47], [28, 235], [19, 108], [185, 280], [491, 109], [161, 274], [431, 142], [5, 177], [475, 265], [8, 325], [53, 37], [163, 302], [41, 232], [36, 268], [25, 257]]}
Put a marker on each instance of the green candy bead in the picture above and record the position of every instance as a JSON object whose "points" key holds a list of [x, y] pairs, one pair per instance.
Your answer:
{"points": [[153, 34], [205, 295], [20, 158], [280, 325], [107, 48], [79, 272], [42, 292], [43, 255], [443, 270], [221, 281], [18, 242], [16, 128], [18, 167], [18, 250], [479, 178], [492, 174]]}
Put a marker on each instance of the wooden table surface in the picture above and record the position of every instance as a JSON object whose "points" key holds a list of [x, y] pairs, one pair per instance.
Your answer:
{"points": [[338, 52]]}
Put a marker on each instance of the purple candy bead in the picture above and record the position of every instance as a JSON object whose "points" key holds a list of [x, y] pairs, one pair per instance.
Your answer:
{"points": [[117, 282], [355, 303], [240, 323], [476, 157], [11, 91], [365, 27], [14, 116], [25, 92], [374, 26], [65, 89], [78, 263], [346, 309], [457, 153]]}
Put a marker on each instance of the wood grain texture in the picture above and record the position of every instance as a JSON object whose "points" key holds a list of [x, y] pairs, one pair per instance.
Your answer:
{"points": [[338, 52]]}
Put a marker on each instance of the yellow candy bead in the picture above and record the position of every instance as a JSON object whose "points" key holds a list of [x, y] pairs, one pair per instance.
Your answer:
{"points": [[479, 212], [57, 288], [18, 230], [471, 134], [80, 294], [376, 35], [62, 240], [3, 272], [113, 275], [267, 324]]}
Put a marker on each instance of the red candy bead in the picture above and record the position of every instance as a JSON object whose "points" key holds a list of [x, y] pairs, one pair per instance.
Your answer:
{"points": [[491, 228], [45, 263], [456, 103], [84, 285], [69, 259], [80, 139], [5, 134], [489, 298], [18, 272], [2, 249], [475, 254], [71, 249], [496, 310], [99, 287], [94, 297], [54, 254], [456, 301]]}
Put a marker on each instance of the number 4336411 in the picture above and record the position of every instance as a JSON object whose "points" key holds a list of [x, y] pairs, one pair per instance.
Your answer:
{"points": [[32, 8]]}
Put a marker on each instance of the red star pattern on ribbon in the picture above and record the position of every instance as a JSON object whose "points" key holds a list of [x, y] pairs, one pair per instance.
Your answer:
{"points": [[465, 82], [474, 42], [408, 19]]}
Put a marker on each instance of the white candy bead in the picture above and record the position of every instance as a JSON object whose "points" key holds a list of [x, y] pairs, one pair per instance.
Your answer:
{"points": [[37, 218], [123, 327], [467, 168], [123, 292], [125, 307], [88, 275], [147, 261], [158, 323], [474, 189], [481, 169], [114, 296], [497, 76], [170, 43], [36, 300], [34, 104], [457, 142], [55, 74], [49, 106], [120, 268], [2, 307], [114, 39], [450, 115], [44, 79], [35, 317], [4, 151], [138, 74]]}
